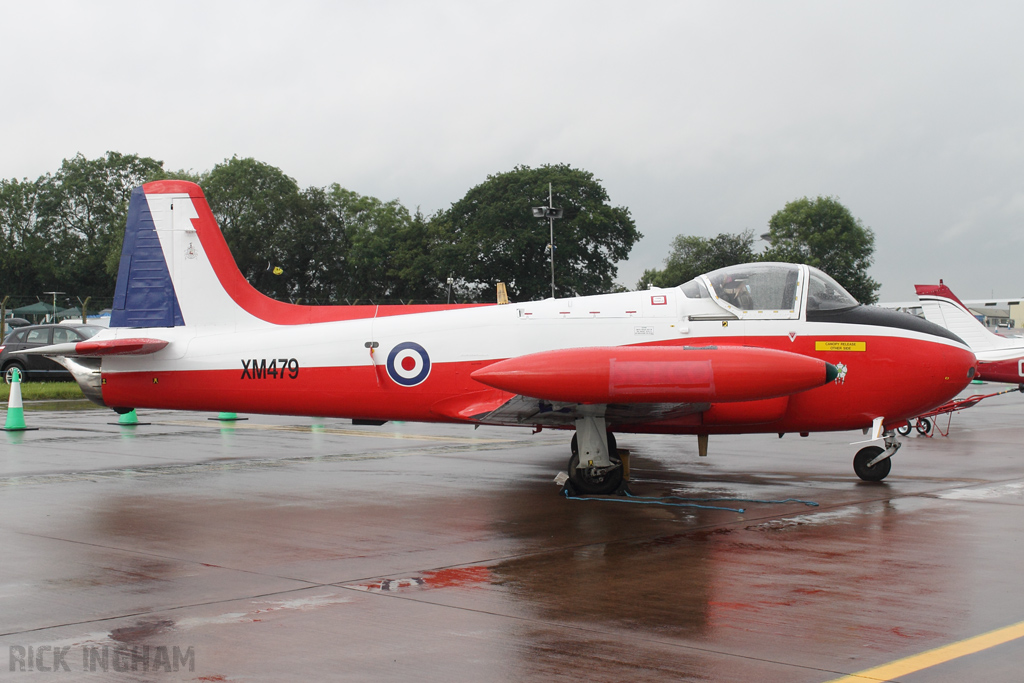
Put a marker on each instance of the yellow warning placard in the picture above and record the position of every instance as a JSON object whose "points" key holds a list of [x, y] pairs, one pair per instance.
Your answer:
{"points": [[840, 346]]}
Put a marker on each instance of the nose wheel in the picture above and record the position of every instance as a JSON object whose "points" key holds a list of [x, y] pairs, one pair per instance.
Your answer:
{"points": [[872, 463], [878, 471]]}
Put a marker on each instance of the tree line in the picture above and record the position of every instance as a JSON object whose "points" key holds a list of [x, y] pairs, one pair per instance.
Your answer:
{"points": [[820, 232], [321, 245], [330, 245]]}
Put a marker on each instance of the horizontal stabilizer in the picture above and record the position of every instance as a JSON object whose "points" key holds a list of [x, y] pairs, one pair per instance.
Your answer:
{"points": [[106, 347], [657, 374]]}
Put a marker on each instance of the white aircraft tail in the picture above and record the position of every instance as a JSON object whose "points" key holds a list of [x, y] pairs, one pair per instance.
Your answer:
{"points": [[177, 270], [942, 307], [168, 275]]}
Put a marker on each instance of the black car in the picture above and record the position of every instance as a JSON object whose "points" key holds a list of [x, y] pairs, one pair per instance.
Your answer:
{"points": [[31, 337]]}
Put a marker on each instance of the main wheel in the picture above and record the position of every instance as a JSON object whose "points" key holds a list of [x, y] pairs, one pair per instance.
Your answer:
{"points": [[596, 481], [924, 426], [9, 372], [876, 472], [905, 429]]}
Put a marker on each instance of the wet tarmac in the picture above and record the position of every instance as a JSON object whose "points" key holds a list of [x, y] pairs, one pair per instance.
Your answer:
{"points": [[304, 549]]}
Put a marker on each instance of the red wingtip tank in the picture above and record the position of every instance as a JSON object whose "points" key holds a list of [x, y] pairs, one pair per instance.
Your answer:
{"points": [[657, 374]]}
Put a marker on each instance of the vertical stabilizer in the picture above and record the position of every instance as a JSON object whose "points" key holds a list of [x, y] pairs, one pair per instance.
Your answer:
{"points": [[175, 266], [176, 269], [942, 307]]}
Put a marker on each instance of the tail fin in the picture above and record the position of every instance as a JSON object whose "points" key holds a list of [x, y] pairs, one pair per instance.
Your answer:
{"points": [[943, 308], [176, 269], [172, 252]]}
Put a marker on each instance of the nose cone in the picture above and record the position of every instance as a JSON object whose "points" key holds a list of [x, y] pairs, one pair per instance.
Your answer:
{"points": [[946, 370], [960, 365]]}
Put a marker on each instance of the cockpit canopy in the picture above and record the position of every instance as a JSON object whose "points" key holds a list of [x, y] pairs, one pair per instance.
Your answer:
{"points": [[825, 294], [769, 290]]}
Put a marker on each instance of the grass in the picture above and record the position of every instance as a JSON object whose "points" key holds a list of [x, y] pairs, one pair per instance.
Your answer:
{"points": [[43, 391]]}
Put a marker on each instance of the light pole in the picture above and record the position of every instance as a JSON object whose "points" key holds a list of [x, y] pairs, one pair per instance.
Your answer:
{"points": [[551, 213], [54, 313]]}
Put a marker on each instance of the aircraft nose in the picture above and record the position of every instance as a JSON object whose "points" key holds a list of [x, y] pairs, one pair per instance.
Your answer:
{"points": [[935, 373], [963, 364], [958, 366]]}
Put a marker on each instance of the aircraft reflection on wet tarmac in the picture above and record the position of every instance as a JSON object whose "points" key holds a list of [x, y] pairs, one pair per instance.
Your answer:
{"points": [[280, 551]]}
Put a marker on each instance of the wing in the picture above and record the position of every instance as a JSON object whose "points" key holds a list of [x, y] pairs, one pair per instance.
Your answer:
{"points": [[525, 410]]}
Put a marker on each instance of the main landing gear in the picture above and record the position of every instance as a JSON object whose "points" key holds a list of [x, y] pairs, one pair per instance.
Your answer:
{"points": [[873, 463], [595, 467]]}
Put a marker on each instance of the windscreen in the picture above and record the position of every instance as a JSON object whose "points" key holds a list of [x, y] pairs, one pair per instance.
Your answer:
{"points": [[695, 289], [825, 294]]}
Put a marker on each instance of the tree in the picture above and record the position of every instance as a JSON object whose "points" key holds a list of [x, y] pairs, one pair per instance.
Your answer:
{"points": [[22, 246], [389, 253], [61, 231], [692, 256], [330, 244], [491, 236], [823, 233], [257, 207], [83, 208], [315, 255]]}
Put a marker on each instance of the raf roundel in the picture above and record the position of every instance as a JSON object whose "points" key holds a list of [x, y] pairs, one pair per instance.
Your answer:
{"points": [[408, 364]]}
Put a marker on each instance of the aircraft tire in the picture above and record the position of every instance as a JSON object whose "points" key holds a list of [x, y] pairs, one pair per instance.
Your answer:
{"points": [[876, 473], [904, 430], [590, 481], [924, 426]]}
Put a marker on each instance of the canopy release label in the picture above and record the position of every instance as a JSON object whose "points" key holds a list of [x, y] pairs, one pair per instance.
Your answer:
{"points": [[840, 346]]}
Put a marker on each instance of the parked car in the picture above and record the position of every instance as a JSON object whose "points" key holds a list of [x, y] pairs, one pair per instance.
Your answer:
{"points": [[34, 336]]}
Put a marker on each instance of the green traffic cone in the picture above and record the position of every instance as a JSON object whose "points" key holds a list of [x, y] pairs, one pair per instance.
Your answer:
{"points": [[227, 417], [15, 411], [129, 419]]}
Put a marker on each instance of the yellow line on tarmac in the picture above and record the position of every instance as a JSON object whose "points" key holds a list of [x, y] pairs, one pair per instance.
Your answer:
{"points": [[940, 655], [329, 430]]}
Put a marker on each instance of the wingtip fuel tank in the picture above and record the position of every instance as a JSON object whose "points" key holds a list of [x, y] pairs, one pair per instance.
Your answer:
{"points": [[658, 374]]}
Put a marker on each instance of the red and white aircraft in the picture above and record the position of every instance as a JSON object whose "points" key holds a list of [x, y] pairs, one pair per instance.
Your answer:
{"points": [[1000, 359], [765, 347]]}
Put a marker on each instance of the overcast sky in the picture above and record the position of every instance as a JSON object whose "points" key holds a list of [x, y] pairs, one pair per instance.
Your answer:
{"points": [[699, 117]]}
